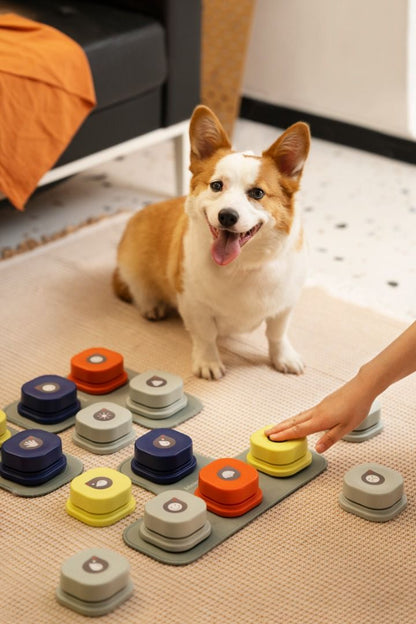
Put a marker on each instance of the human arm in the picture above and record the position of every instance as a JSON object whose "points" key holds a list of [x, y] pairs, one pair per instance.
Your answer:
{"points": [[343, 410]]}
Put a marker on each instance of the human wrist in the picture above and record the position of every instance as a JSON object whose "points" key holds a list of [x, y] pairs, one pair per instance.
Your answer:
{"points": [[371, 381]]}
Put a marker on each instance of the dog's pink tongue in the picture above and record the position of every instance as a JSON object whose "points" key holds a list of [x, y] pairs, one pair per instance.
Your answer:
{"points": [[225, 247]]}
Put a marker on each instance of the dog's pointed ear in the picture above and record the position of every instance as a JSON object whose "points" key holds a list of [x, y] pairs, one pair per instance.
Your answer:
{"points": [[206, 134], [290, 150]]}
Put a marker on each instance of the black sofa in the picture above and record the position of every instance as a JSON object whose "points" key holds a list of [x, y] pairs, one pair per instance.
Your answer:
{"points": [[145, 61]]}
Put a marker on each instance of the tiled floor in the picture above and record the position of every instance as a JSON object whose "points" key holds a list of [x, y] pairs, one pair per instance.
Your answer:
{"points": [[359, 209]]}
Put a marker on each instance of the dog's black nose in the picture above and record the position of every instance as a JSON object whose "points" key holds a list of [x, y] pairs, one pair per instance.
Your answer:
{"points": [[228, 217]]}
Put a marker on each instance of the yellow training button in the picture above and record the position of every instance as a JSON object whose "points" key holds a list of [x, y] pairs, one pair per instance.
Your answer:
{"points": [[278, 459], [283, 470], [99, 492], [276, 453]]}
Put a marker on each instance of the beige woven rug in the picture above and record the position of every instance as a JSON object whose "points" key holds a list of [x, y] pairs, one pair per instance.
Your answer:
{"points": [[305, 560]]}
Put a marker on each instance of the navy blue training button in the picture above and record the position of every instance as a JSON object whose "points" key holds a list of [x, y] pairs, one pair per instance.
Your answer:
{"points": [[163, 449], [163, 478], [32, 457], [49, 399], [163, 456], [31, 450], [34, 478], [49, 393]]}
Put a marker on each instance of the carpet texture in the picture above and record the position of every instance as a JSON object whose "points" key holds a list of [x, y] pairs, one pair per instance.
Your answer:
{"points": [[305, 560]]}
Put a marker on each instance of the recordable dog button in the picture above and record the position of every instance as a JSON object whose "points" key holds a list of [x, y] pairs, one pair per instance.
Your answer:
{"points": [[175, 521], [156, 394], [229, 487], [369, 427], [48, 399], [100, 497], [103, 427], [278, 459], [98, 370], [373, 492], [94, 581], [32, 457], [163, 456]]}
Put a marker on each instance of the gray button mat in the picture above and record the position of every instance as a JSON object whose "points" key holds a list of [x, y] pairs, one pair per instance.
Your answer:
{"points": [[120, 395], [274, 490]]}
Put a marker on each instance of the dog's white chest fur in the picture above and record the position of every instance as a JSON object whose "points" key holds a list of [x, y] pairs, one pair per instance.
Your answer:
{"points": [[236, 297]]}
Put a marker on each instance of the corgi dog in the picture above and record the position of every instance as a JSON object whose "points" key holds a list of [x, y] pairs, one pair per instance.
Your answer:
{"points": [[228, 256]]}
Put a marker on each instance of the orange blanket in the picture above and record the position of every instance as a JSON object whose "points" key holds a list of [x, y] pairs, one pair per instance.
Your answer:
{"points": [[46, 92]]}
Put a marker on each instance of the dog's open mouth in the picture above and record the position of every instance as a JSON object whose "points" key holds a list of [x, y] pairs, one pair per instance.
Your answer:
{"points": [[227, 244]]}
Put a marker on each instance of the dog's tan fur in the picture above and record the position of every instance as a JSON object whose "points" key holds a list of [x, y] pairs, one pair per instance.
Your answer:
{"points": [[160, 274]]}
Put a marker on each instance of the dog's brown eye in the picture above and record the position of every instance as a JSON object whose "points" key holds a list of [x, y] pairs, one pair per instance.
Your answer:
{"points": [[256, 193], [216, 186]]}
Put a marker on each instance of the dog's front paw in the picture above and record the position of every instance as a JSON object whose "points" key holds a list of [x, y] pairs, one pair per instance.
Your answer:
{"points": [[208, 369], [285, 359], [155, 313]]}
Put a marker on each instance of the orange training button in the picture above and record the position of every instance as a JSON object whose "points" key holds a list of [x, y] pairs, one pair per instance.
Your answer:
{"points": [[229, 487], [98, 370]]}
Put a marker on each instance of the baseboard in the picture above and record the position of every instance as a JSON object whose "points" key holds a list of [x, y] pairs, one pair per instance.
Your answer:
{"points": [[331, 130]]}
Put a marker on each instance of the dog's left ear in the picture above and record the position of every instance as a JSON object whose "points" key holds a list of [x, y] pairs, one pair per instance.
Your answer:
{"points": [[291, 150]]}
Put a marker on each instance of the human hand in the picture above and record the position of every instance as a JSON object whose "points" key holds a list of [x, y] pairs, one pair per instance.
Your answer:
{"points": [[338, 413]]}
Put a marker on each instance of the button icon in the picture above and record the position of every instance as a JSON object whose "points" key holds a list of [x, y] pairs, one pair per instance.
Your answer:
{"points": [[164, 441], [31, 442], [96, 358], [372, 478], [100, 483], [48, 387], [175, 505], [156, 381], [95, 564], [104, 414], [228, 473]]}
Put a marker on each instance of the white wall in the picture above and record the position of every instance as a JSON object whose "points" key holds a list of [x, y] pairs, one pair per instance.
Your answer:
{"points": [[349, 60]]}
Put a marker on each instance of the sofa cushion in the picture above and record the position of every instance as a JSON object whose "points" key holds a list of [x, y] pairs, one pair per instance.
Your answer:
{"points": [[106, 127], [126, 50]]}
